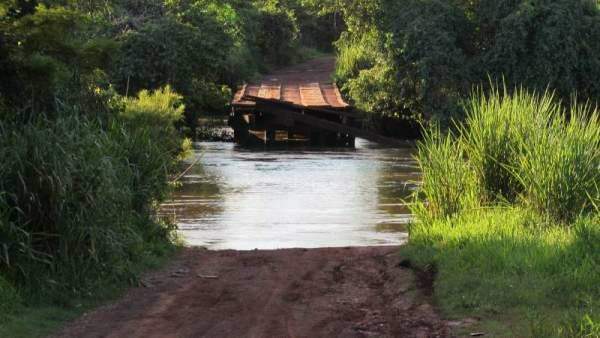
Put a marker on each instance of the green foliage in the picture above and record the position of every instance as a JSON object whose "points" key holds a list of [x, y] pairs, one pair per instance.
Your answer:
{"points": [[424, 57], [171, 48], [507, 213], [517, 147], [524, 146], [10, 301], [559, 168], [77, 197], [497, 130], [506, 260], [49, 58], [277, 36], [148, 118], [450, 185]]}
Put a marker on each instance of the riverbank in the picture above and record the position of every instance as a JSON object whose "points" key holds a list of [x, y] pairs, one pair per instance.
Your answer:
{"points": [[508, 216], [521, 278], [347, 292]]}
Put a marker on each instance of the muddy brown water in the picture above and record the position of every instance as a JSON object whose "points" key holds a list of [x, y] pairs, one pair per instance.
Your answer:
{"points": [[244, 199]]}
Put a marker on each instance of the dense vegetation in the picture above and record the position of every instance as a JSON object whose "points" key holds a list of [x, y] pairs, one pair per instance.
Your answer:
{"points": [[512, 218], [95, 98], [416, 60], [204, 49]]}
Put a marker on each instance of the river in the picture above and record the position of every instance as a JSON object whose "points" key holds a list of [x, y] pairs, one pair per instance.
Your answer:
{"points": [[269, 199]]}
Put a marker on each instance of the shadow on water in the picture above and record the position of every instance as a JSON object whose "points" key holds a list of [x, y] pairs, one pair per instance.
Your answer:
{"points": [[244, 199]]}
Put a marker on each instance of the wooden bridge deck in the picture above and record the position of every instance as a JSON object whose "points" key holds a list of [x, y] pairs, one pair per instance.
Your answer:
{"points": [[302, 103], [308, 85]]}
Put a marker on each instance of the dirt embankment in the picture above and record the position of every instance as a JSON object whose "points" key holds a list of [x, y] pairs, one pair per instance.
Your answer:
{"points": [[342, 292]]}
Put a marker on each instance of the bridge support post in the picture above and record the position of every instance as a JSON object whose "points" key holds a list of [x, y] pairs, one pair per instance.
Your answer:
{"points": [[270, 136]]}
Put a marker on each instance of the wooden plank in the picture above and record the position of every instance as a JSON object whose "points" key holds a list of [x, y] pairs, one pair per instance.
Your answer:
{"points": [[291, 93], [336, 90], [311, 95], [270, 91], [297, 107], [332, 96], [240, 94], [247, 91]]}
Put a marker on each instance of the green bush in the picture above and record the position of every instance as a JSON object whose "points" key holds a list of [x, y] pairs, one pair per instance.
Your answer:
{"points": [[10, 301], [171, 48], [277, 36], [514, 147], [528, 146], [498, 128], [150, 143], [77, 198], [559, 167], [425, 56]]}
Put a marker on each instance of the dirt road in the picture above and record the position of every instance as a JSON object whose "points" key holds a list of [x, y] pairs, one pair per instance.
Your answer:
{"points": [[344, 292]]}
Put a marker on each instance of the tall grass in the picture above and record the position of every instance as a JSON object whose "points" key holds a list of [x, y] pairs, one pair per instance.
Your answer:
{"points": [[559, 168], [497, 130], [449, 182], [528, 147], [508, 212], [77, 195]]}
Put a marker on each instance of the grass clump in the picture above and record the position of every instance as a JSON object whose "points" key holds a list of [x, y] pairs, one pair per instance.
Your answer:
{"points": [[513, 228], [77, 199], [450, 183]]}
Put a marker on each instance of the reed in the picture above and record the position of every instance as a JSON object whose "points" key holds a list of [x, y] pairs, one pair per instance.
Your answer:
{"points": [[497, 127], [527, 147], [77, 196], [559, 168], [449, 182], [508, 213]]}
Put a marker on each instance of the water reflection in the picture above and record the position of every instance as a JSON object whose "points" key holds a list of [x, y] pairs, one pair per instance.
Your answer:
{"points": [[242, 199]]}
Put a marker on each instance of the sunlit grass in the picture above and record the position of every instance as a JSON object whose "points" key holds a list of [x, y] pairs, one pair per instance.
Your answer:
{"points": [[494, 261], [508, 214]]}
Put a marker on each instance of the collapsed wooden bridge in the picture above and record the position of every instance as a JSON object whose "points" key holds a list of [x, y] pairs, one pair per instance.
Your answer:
{"points": [[298, 105]]}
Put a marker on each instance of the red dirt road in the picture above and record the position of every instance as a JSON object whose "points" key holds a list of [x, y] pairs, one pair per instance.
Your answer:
{"points": [[342, 292]]}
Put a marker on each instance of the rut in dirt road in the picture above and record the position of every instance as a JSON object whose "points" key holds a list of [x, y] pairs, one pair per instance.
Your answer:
{"points": [[343, 292]]}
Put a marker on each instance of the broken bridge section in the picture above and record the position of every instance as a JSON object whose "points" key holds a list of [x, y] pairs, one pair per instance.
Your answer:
{"points": [[297, 105]]}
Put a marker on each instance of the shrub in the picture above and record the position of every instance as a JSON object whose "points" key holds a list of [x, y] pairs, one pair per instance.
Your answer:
{"points": [[171, 47], [65, 202], [435, 51], [277, 36], [77, 197], [150, 143]]}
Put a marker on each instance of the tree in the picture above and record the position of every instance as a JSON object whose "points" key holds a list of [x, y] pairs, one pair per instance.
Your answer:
{"points": [[420, 58]]}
